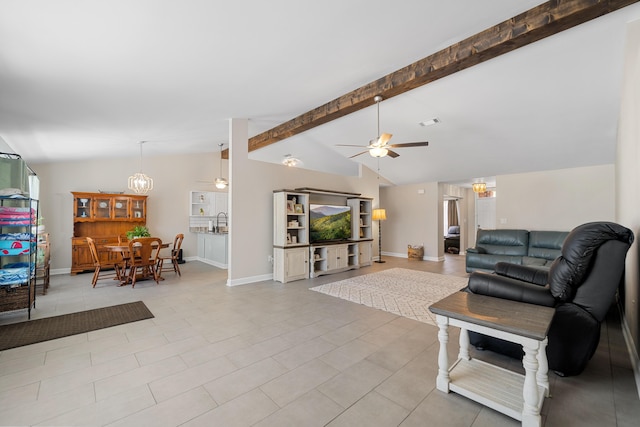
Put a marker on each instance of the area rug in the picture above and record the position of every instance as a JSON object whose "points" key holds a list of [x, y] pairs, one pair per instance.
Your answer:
{"points": [[49, 328], [407, 293]]}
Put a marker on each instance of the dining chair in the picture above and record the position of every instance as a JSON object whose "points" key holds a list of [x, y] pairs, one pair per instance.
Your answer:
{"points": [[124, 255], [99, 273], [143, 258], [172, 258]]}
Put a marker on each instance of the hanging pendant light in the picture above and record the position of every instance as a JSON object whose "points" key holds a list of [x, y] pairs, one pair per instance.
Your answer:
{"points": [[139, 182], [221, 182], [479, 187]]}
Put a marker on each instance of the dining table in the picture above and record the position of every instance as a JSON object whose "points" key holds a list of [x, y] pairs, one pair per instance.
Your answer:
{"points": [[123, 249]]}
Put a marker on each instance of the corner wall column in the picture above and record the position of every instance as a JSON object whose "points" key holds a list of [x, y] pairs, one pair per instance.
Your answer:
{"points": [[238, 230]]}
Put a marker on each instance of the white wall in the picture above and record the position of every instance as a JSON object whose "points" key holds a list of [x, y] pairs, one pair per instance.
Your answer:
{"points": [[412, 219], [557, 199], [628, 182]]}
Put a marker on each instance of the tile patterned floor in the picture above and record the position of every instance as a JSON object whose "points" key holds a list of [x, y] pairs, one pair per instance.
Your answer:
{"points": [[269, 354]]}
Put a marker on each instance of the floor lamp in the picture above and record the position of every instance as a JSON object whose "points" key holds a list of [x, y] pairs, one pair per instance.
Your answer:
{"points": [[379, 215]]}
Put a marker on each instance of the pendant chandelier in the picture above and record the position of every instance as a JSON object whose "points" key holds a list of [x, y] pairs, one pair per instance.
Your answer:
{"points": [[140, 183], [221, 182], [479, 187]]}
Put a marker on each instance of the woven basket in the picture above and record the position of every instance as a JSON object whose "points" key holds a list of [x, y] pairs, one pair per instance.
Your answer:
{"points": [[415, 252], [16, 298]]}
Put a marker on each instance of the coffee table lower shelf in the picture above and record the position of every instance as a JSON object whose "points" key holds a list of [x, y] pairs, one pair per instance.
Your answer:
{"points": [[490, 385]]}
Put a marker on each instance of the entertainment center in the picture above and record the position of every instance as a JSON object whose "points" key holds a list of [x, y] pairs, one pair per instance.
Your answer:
{"points": [[317, 232]]}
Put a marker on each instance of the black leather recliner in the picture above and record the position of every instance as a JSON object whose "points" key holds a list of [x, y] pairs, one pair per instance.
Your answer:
{"points": [[581, 284]]}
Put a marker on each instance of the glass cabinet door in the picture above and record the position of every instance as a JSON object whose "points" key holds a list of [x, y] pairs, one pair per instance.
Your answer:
{"points": [[138, 208], [83, 207], [121, 207], [102, 207]]}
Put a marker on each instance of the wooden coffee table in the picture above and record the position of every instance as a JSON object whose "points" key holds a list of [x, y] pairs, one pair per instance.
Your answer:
{"points": [[516, 395]]}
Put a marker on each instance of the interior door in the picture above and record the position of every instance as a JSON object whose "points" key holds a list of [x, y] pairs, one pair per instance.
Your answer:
{"points": [[486, 213]]}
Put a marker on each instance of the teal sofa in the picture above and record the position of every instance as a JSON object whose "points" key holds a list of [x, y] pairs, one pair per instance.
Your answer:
{"points": [[532, 248]]}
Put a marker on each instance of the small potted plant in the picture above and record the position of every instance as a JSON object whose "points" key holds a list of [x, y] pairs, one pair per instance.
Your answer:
{"points": [[138, 231]]}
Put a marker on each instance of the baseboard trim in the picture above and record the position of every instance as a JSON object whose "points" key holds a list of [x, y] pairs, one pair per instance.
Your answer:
{"points": [[633, 354], [249, 280], [57, 271], [406, 255], [213, 263]]}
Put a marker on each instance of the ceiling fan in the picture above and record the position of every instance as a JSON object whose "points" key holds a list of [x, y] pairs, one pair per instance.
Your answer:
{"points": [[379, 147]]}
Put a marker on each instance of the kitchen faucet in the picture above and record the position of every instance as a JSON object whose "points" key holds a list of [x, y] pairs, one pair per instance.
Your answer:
{"points": [[226, 219]]}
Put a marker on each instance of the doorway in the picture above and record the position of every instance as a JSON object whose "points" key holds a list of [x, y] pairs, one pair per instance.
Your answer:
{"points": [[451, 221]]}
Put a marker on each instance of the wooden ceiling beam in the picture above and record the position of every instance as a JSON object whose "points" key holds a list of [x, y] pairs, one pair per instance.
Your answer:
{"points": [[535, 24]]}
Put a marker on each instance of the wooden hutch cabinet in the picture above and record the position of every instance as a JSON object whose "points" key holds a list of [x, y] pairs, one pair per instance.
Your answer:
{"points": [[104, 217]]}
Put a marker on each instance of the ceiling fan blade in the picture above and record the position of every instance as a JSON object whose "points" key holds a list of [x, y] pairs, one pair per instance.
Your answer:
{"points": [[355, 155], [348, 145], [409, 144], [384, 138], [392, 154]]}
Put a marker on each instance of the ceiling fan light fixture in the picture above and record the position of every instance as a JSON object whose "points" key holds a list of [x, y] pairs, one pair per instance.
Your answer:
{"points": [[379, 146], [376, 146], [221, 183], [378, 151], [291, 161]]}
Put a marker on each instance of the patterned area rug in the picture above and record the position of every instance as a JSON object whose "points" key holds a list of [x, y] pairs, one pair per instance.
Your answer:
{"points": [[404, 292], [49, 328]]}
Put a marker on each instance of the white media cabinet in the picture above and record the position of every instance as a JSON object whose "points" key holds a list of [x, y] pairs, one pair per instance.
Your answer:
{"points": [[295, 258], [334, 258]]}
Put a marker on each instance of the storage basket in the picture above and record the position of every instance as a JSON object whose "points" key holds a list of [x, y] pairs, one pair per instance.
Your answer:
{"points": [[16, 298], [415, 252]]}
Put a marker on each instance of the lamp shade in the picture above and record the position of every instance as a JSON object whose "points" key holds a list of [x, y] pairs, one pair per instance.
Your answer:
{"points": [[379, 215]]}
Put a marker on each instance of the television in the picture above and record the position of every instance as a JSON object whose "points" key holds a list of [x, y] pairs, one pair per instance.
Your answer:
{"points": [[329, 223]]}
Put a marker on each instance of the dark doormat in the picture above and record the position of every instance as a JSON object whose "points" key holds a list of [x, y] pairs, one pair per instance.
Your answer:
{"points": [[49, 328]]}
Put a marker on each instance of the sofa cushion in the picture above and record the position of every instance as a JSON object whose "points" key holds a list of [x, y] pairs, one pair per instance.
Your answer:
{"points": [[534, 262], [484, 262], [546, 244], [503, 242]]}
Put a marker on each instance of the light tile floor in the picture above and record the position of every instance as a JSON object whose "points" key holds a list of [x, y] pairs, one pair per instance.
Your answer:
{"points": [[269, 354]]}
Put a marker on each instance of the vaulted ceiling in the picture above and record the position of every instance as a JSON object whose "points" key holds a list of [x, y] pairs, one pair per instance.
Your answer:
{"points": [[81, 79]]}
